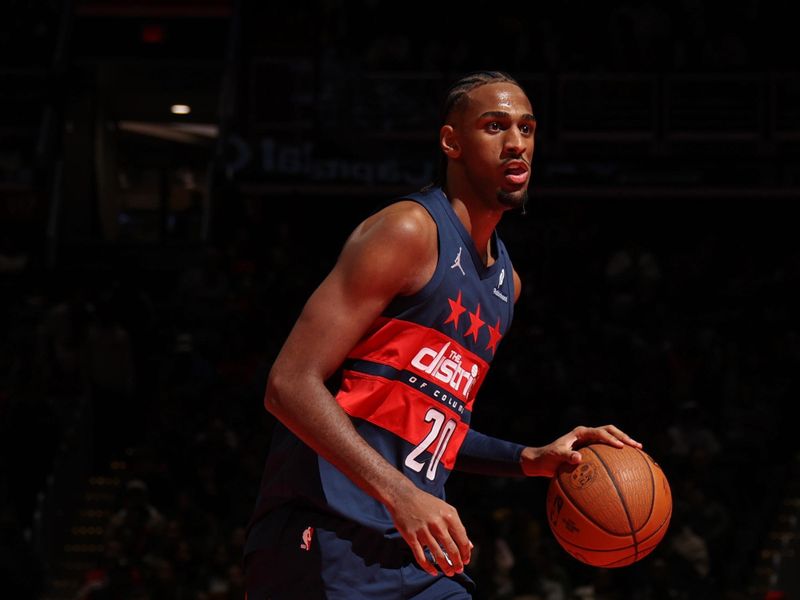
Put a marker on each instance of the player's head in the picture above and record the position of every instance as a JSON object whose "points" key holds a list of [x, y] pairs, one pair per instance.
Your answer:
{"points": [[486, 135]]}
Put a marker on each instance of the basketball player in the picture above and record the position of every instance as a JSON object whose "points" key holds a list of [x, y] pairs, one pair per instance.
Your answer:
{"points": [[352, 505]]}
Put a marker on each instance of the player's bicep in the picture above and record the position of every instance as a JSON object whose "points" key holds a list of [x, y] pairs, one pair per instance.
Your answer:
{"points": [[517, 286], [332, 321], [377, 263]]}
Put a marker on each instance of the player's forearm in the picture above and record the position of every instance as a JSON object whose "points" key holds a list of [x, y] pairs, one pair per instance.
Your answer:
{"points": [[485, 455], [305, 406]]}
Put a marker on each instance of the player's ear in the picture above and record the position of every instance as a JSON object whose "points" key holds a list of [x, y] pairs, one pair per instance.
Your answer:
{"points": [[448, 141]]}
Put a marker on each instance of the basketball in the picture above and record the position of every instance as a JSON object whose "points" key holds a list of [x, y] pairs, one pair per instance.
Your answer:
{"points": [[612, 509]]}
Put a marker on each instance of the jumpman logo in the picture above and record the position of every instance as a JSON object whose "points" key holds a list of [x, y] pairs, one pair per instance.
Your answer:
{"points": [[457, 262], [307, 533]]}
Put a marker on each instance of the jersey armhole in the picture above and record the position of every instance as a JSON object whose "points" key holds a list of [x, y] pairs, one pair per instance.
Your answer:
{"points": [[401, 303]]}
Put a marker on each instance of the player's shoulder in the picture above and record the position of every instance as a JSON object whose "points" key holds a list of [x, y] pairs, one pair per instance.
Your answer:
{"points": [[395, 247], [404, 221]]}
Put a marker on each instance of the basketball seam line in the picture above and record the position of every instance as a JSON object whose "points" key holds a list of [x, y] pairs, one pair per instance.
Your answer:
{"points": [[621, 498], [588, 517]]}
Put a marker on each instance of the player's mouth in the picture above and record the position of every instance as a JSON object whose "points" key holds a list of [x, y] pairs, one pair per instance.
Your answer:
{"points": [[516, 172]]}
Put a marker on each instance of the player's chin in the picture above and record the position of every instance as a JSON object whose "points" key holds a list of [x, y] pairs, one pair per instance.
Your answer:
{"points": [[513, 198]]}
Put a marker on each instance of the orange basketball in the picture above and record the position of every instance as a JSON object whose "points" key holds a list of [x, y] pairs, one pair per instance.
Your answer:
{"points": [[612, 509]]}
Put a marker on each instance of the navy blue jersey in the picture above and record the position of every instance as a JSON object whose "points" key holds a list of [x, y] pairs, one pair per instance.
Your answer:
{"points": [[409, 384]]}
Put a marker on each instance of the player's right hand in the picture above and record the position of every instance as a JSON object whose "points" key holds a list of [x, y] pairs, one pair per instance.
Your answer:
{"points": [[544, 461], [432, 527]]}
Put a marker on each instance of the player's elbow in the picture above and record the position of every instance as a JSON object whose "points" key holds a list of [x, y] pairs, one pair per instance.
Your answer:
{"points": [[276, 392], [290, 390]]}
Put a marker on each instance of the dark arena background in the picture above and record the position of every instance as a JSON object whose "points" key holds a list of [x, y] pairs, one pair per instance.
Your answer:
{"points": [[177, 176]]}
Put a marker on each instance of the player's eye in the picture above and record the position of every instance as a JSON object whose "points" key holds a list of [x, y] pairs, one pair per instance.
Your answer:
{"points": [[493, 126]]}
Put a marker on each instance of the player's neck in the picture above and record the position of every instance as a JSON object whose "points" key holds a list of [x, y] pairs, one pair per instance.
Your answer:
{"points": [[479, 222]]}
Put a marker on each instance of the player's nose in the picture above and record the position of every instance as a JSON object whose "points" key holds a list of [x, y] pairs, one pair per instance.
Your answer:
{"points": [[513, 143]]}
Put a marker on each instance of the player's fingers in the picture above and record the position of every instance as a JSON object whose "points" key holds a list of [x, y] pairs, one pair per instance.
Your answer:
{"points": [[440, 557], [460, 546], [621, 435], [598, 434], [419, 555], [453, 554], [443, 560], [618, 436]]}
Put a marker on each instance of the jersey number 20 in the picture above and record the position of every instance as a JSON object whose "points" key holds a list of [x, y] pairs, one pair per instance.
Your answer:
{"points": [[440, 432]]}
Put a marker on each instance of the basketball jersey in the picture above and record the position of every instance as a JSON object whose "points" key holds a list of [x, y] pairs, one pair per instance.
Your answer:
{"points": [[410, 383]]}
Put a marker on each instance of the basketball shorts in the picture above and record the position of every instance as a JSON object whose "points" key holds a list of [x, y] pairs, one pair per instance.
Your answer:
{"points": [[305, 555]]}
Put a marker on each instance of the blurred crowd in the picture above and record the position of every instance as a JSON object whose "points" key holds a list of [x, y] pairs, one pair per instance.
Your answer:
{"points": [[575, 35]]}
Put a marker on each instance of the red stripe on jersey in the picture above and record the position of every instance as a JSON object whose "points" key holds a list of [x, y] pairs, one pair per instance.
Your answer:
{"points": [[427, 352], [395, 407]]}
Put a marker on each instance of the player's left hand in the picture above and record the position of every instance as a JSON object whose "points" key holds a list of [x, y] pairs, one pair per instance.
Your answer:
{"points": [[544, 461]]}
